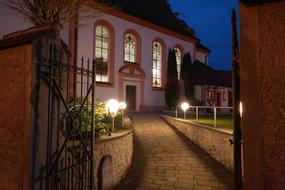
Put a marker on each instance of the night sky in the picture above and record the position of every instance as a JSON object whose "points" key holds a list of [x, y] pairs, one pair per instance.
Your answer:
{"points": [[211, 22]]}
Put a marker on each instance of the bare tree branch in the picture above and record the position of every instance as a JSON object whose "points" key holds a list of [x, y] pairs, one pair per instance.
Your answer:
{"points": [[40, 12]]}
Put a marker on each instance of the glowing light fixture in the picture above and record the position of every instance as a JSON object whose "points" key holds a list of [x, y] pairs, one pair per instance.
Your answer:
{"points": [[122, 105], [113, 108], [240, 109], [185, 106]]}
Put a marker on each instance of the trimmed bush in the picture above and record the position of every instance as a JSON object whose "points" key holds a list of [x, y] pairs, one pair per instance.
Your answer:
{"points": [[172, 84]]}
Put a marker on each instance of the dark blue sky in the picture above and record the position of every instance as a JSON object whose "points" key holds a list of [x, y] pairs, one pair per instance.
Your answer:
{"points": [[211, 22]]}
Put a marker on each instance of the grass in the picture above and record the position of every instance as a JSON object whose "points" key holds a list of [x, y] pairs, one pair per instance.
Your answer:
{"points": [[223, 121]]}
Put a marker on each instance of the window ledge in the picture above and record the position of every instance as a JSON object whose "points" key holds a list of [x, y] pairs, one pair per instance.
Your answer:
{"points": [[104, 84], [158, 88], [128, 62]]}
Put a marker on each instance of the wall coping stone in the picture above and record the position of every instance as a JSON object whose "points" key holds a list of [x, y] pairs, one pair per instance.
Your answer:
{"points": [[114, 136], [195, 124]]}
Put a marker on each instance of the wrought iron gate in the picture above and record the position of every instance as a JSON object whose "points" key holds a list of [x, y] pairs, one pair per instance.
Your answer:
{"points": [[63, 140]]}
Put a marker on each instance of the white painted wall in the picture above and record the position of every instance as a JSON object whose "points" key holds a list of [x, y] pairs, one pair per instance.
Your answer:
{"points": [[85, 48], [200, 56]]}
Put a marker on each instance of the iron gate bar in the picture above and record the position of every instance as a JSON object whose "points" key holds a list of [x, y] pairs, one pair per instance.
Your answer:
{"points": [[93, 121], [49, 113], [237, 120]]}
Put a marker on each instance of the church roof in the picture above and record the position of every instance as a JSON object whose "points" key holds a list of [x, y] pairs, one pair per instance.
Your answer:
{"points": [[201, 46], [202, 74], [155, 11], [256, 2]]}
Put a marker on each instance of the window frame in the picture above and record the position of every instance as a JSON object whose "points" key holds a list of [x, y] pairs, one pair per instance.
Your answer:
{"points": [[157, 59], [137, 48], [129, 53], [181, 50], [111, 53], [102, 50], [163, 64]]}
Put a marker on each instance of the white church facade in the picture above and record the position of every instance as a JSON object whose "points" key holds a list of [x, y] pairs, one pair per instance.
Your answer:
{"points": [[130, 41], [131, 54]]}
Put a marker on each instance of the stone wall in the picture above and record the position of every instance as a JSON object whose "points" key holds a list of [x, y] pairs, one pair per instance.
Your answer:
{"points": [[15, 117], [215, 142], [262, 51], [118, 148]]}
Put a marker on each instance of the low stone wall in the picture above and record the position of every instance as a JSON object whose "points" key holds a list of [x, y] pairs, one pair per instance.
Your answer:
{"points": [[212, 140], [113, 156]]}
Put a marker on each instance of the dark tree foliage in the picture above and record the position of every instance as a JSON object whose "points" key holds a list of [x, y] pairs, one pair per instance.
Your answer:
{"points": [[172, 84], [185, 75]]}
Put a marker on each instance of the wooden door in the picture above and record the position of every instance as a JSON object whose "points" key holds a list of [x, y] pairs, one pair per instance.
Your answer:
{"points": [[131, 97], [218, 100]]}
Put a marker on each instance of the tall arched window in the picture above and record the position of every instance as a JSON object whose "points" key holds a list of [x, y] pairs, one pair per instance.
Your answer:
{"points": [[130, 45], [178, 60], [102, 50], [157, 64]]}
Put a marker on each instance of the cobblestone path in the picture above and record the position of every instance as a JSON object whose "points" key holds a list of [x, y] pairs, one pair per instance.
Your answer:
{"points": [[163, 159]]}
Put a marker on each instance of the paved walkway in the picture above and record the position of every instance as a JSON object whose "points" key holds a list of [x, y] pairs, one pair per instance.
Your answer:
{"points": [[166, 160]]}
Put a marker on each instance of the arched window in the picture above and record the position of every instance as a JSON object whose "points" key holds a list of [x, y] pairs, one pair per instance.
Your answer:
{"points": [[157, 64], [102, 50], [130, 45], [178, 60]]}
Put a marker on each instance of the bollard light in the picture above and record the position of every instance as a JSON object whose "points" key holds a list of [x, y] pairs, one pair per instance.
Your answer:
{"points": [[113, 108], [122, 105], [185, 106]]}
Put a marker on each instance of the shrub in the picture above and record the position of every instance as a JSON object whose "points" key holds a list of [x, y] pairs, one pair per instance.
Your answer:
{"points": [[103, 121]]}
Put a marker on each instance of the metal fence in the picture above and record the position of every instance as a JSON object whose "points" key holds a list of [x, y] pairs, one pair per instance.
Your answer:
{"points": [[198, 111]]}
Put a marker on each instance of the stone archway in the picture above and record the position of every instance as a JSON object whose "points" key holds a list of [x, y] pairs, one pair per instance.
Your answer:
{"points": [[105, 173]]}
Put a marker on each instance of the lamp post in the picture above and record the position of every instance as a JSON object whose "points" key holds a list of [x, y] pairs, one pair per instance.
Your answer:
{"points": [[185, 106], [113, 107]]}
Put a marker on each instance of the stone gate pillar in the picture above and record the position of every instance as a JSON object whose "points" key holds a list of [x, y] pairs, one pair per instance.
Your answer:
{"points": [[262, 38]]}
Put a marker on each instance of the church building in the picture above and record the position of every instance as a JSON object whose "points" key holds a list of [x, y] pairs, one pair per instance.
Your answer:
{"points": [[130, 41]]}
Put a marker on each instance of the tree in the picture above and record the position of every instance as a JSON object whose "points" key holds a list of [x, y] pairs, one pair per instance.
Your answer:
{"points": [[172, 84], [185, 75], [40, 12]]}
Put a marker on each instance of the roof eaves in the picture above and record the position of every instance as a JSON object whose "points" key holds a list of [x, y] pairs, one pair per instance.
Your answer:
{"points": [[257, 2], [181, 29], [199, 45]]}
